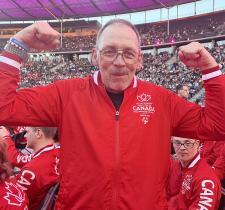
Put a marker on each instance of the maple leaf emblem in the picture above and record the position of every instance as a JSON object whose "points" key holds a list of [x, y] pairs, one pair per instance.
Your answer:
{"points": [[143, 97], [14, 195]]}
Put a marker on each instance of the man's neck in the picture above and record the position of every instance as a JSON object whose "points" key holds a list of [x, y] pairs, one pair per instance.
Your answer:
{"points": [[43, 143], [116, 98]]}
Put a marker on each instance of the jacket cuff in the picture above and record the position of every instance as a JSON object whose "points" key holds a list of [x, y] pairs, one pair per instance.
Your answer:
{"points": [[10, 61], [211, 73]]}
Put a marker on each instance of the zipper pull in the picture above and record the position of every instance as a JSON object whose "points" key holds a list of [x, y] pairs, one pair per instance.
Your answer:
{"points": [[117, 115]]}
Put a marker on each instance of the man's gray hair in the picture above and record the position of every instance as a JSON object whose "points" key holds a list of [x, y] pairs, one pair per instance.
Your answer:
{"points": [[118, 21]]}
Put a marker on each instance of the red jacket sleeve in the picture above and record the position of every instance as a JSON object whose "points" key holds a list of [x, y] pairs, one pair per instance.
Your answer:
{"points": [[205, 195], [204, 123], [173, 184], [27, 106], [174, 178], [15, 157]]}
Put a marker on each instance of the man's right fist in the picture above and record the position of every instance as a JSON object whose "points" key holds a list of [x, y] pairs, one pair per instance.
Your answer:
{"points": [[40, 36]]}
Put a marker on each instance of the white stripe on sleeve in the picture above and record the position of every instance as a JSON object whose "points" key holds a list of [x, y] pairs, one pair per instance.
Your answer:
{"points": [[10, 62], [211, 75]]}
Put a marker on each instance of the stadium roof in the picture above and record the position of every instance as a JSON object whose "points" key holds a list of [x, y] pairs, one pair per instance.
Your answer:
{"points": [[21, 10]]}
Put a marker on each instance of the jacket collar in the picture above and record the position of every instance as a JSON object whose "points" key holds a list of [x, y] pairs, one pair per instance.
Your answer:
{"points": [[98, 81], [45, 149], [193, 162]]}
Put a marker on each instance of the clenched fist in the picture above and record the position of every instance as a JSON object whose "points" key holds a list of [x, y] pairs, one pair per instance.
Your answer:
{"points": [[195, 55], [40, 36]]}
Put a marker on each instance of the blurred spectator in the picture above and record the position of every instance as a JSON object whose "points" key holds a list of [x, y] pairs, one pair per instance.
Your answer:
{"points": [[182, 90]]}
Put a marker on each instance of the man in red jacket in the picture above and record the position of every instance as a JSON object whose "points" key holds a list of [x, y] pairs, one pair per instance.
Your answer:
{"points": [[113, 128], [199, 186]]}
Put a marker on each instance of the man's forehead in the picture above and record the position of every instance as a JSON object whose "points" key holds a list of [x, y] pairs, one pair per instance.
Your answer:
{"points": [[180, 139], [114, 33]]}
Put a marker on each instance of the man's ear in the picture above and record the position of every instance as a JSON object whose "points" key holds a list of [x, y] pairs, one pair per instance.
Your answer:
{"points": [[94, 60], [140, 62], [38, 133]]}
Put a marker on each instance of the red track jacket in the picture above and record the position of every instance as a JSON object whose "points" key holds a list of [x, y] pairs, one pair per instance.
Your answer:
{"points": [[12, 197], [112, 159], [37, 176], [200, 188]]}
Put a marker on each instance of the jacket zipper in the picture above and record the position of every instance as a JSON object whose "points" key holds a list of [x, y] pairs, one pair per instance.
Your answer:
{"points": [[117, 163]]}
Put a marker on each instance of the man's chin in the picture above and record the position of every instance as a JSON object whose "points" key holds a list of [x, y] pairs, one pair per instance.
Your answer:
{"points": [[116, 88]]}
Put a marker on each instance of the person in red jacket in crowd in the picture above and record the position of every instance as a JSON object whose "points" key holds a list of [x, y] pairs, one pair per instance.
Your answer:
{"points": [[113, 128], [12, 196], [41, 173], [199, 187], [16, 157]]}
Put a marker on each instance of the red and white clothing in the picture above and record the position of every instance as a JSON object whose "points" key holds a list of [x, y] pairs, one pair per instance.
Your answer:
{"points": [[12, 197], [112, 159], [17, 134], [210, 151], [37, 176], [199, 187], [15, 157]]}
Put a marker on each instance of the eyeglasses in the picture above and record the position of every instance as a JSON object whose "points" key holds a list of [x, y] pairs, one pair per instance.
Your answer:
{"points": [[110, 54], [187, 145]]}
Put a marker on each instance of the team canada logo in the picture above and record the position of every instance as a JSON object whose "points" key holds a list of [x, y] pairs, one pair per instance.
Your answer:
{"points": [[14, 195], [143, 97], [144, 107], [186, 184]]}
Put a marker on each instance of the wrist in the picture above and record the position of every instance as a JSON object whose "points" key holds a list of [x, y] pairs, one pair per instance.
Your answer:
{"points": [[20, 43], [211, 72], [18, 48], [209, 66]]}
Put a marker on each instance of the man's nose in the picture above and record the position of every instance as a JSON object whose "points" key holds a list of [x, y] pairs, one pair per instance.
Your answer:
{"points": [[119, 59], [182, 146]]}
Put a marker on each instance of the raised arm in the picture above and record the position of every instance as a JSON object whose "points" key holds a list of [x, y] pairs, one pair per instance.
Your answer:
{"points": [[37, 106], [190, 120], [40, 36]]}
